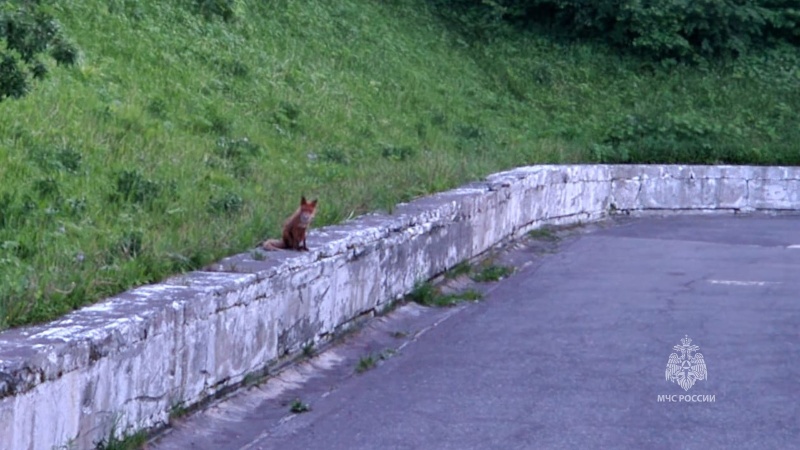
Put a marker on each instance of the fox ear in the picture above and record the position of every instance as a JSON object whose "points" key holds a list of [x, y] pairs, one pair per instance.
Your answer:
{"points": [[303, 200], [314, 202]]}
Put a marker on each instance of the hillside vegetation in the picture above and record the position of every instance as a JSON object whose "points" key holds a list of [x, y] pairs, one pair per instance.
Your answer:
{"points": [[143, 138]]}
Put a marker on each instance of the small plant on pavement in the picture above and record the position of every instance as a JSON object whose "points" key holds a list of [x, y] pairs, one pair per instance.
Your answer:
{"points": [[298, 407]]}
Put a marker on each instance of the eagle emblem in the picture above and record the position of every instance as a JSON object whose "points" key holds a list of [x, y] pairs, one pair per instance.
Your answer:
{"points": [[687, 367]]}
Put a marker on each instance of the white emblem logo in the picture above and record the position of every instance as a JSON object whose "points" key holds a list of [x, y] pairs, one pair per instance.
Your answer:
{"points": [[686, 368]]}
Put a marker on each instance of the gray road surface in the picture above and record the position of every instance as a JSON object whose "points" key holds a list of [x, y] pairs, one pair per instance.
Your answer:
{"points": [[570, 352]]}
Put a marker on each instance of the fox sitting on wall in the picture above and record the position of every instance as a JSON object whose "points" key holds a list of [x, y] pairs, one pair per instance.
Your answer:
{"points": [[294, 229]]}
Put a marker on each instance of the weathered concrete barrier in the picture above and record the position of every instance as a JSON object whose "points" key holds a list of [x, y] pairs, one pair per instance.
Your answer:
{"points": [[124, 363]]}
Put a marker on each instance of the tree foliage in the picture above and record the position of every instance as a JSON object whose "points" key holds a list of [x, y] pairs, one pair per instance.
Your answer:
{"points": [[26, 33], [678, 29]]}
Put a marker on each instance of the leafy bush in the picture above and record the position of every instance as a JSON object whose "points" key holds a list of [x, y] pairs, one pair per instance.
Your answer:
{"points": [[27, 32], [478, 18], [394, 153], [63, 159], [46, 188], [64, 51], [6, 205], [671, 29], [131, 186], [669, 139], [129, 244], [13, 77], [227, 10], [227, 203]]}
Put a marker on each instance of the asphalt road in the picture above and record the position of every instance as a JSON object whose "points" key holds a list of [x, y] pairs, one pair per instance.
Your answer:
{"points": [[570, 352]]}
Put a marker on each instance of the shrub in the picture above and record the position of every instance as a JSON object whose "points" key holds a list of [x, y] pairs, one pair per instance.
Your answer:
{"points": [[227, 10], [669, 139], [27, 32], [227, 203], [477, 18], [13, 77], [670, 29], [132, 187]]}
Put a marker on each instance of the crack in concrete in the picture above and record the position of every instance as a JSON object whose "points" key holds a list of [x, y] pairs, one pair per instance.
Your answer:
{"points": [[146, 398], [747, 191], [638, 197]]}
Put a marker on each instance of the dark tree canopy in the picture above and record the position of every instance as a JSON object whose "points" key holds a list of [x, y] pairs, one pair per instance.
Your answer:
{"points": [[680, 29]]}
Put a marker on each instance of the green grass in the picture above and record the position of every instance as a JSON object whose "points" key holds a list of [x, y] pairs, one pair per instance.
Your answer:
{"points": [[462, 268], [429, 295], [309, 351], [365, 363], [178, 410], [424, 293], [492, 272], [543, 234], [368, 362], [131, 442], [176, 140], [298, 407]]}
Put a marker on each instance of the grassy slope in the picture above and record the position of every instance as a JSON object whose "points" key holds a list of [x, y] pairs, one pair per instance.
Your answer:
{"points": [[360, 103]]}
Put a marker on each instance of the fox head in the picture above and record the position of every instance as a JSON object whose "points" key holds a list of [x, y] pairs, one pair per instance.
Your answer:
{"points": [[307, 210]]}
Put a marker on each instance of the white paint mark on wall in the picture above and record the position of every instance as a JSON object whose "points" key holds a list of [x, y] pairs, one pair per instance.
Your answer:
{"points": [[742, 283]]}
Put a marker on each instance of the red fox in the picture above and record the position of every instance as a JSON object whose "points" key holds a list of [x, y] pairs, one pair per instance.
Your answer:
{"points": [[294, 229]]}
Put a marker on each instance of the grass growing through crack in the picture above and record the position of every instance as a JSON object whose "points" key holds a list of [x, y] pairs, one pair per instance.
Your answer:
{"points": [[470, 295], [298, 407], [133, 441], [365, 363], [178, 410], [254, 378], [179, 138], [462, 268], [428, 295], [423, 293], [389, 306], [309, 351], [493, 272], [483, 272], [368, 362], [543, 234]]}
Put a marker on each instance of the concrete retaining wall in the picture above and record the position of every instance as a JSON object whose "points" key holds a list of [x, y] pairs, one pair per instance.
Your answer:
{"points": [[127, 361]]}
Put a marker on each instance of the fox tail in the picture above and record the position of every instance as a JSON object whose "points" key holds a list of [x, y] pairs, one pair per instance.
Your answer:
{"points": [[273, 244]]}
